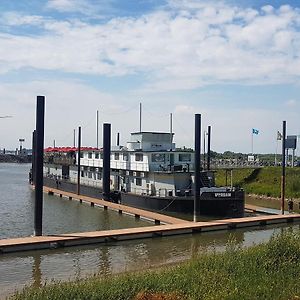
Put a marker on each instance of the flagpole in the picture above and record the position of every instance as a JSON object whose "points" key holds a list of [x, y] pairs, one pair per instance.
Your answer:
{"points": [[276, 152], [252, 142]]}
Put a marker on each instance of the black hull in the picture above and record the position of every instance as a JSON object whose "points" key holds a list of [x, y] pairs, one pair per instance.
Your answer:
{"points": [[232, 207], [210, 205]]}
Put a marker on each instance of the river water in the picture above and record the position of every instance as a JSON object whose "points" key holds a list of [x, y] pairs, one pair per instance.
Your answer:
{"points": [[62, 216]]}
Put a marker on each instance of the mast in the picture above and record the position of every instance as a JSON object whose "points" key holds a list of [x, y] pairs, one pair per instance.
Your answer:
{"points": [[118, 139], [74, 138], [171, 130], [208, 147], [140, 117], [97, 130]]}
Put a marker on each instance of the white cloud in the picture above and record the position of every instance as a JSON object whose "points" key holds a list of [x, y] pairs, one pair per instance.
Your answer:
{"points": [[70, 6], [94, 9], [17, 19], [186, 45]]}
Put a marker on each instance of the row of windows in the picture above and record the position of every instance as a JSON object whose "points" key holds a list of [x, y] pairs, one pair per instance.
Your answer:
{"points": [[95, 176], [156, 157], [98, 176], [115, 156], [161, 157]]}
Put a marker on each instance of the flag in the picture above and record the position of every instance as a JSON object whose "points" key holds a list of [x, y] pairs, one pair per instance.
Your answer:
{"points": [[255, 131], [279, 136]]}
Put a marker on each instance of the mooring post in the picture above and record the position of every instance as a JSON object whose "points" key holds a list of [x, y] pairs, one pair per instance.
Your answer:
{"points": [[39, 161], [106, 161], [208, 147], [283, 166], [33, 172], [78, 161], [197, 166]]}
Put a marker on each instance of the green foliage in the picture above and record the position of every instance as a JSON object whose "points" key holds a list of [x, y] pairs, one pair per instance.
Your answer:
{"points": [[268, 271], [263, 181]]}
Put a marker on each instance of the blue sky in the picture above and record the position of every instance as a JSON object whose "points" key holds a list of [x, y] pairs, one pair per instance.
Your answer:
{"points": [[235, 62]]}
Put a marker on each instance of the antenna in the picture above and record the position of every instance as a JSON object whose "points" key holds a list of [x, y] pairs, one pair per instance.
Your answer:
{"points": [[118, 139], [171, 130], [97, 129], [140, 117], [74, 138]]}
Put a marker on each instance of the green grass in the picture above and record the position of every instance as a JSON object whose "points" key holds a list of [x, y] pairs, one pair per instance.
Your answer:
{"points": [[265, 181], [268, 271]]}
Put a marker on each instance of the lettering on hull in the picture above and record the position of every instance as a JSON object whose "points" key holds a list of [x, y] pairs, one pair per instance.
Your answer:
{"points": [[222, 195]]}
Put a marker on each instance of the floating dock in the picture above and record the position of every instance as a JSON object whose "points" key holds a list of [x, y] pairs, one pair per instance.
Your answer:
{"points": [[85, 238], [136, 212], [171, 226]]}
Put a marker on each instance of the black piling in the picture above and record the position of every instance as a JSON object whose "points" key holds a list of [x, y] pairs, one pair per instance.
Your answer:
{"points": [[106, 161], [283, 166], [33, 172], [39, 161], [78, 161], [197, 166], [208, 147]]}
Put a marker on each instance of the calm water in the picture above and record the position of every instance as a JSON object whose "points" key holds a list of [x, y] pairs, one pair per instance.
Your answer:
{"points": [[36, 268], [60, 214]]}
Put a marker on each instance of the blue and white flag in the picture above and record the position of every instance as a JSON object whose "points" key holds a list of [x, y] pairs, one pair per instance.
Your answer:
{"points": [[255, 131]]}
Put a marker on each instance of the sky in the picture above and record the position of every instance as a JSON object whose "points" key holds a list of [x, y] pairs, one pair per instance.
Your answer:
{"points": [[237, 63]]}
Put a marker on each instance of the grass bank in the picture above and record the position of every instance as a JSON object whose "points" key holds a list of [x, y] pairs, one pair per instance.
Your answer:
{"points": [[264, 181], [268, 271]]}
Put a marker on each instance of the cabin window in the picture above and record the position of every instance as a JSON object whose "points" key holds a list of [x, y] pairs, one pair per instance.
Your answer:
{"points": [[138, 157], [99, 176], [101, 155], [185, 157], [138, 181], [90, 155], [116, 156], [81, 154], [158, 157], [90, 174], [82, 173], [96, 155], [125, 156]]}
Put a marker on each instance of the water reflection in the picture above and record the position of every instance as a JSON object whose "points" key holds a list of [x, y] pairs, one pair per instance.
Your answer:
{"points": [[36, 268]]}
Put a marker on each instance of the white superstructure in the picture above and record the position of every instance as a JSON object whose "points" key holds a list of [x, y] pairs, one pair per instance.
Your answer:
{"points": [[148, 164]]}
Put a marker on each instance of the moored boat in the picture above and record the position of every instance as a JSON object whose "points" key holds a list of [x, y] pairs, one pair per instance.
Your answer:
{"points": [[149, 172]]}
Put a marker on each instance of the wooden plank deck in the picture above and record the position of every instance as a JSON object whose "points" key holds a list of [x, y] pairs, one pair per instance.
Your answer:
{"points": [[84, 238], [263, 210], [153, 216]]}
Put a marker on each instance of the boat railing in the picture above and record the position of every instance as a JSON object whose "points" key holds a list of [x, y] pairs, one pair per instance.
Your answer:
{"points": [[162, 192]]}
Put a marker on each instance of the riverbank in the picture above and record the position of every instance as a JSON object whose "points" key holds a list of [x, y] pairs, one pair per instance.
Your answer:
{"points": [[268, 271], [263, 181], [10, 158]]}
